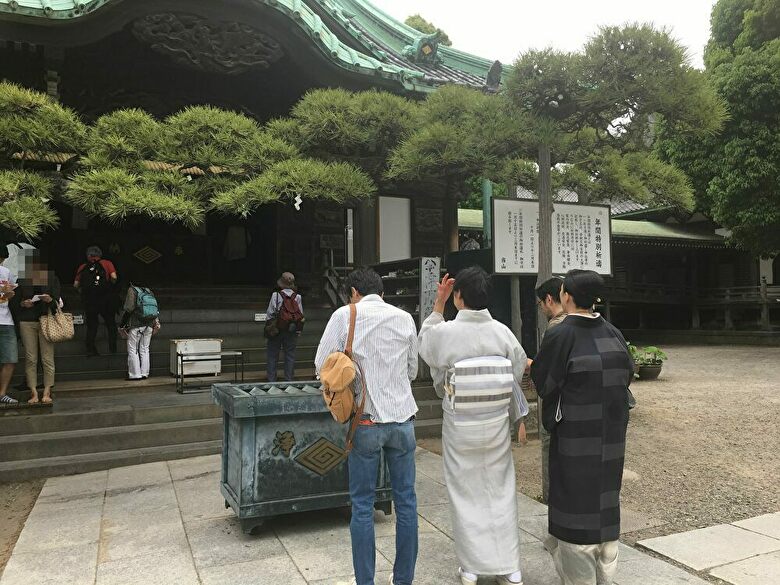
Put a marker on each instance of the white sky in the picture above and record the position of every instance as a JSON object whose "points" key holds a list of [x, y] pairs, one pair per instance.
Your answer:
{"points": [[501, 29]]}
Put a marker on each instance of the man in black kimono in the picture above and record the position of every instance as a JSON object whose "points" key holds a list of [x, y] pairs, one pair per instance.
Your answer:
{"points": [[582, 373]]}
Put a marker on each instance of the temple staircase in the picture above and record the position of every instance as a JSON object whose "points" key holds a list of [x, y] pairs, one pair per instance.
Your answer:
{"points": [[99, 420]]}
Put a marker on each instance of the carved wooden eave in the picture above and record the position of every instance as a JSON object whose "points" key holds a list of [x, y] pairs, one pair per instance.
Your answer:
{"points": [[231, 36]]}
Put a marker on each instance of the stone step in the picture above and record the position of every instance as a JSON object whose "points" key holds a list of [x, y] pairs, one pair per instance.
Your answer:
{"points": [[68, 465], [84, 441], [160, 360], [250, 335], [155, 406]]}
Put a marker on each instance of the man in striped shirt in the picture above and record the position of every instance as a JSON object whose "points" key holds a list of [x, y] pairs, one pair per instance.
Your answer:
{"points": [[385, 346]]}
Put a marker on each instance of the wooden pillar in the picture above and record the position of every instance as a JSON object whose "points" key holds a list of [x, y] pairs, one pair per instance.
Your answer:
{"points": [[695, 317], [608, 311], [366, 234], [765, 323], [727, 317], [450, 208], [694, 291]]}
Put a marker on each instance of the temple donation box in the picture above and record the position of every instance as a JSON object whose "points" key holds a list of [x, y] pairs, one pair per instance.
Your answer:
{"points": [[282, 452]]}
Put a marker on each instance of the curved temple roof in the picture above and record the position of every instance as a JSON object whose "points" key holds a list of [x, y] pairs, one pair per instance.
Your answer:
{"points": [[353, 34]]}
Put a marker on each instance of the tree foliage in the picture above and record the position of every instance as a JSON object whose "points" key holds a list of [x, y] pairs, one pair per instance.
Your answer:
{"points": [[597, 110], [198, 160], [358, 128], [418, 23], [462, 133], [134, 167], [736, 175], [32, 122], [24, 207]]}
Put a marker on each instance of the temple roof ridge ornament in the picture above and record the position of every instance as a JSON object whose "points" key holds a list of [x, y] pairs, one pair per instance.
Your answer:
{"points": [[424, 50]]}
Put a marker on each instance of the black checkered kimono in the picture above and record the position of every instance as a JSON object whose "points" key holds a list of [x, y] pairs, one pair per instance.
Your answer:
{"points": [[582, 373]]}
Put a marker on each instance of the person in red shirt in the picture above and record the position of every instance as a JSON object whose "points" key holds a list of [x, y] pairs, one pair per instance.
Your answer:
{"points": [[95, 279]]}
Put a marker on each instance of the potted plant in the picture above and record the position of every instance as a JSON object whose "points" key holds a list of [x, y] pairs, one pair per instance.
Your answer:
{"points": [[650, 360], [634, 351]]}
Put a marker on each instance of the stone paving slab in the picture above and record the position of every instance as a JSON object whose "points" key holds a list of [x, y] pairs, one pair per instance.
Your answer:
{"points": [[710, 547], [760, 570], [74, 565], [768, 525], [165, 523]]}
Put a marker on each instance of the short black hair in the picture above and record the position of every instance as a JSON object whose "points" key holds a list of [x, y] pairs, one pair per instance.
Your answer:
{"points": [[585, 286], [550, 287], [364, 280], [473, 284]]}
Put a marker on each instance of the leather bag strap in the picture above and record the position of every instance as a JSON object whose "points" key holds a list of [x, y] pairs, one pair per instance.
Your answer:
{"points": [[351, 333], [348, 350]]}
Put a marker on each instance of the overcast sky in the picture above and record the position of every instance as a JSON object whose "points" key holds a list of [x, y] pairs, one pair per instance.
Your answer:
{"points": [[501, 29]]}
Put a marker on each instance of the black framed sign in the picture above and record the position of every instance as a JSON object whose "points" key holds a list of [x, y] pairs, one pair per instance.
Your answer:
{"points": [[581, 237]]}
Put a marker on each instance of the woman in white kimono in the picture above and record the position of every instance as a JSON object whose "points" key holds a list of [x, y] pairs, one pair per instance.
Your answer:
{"points": [[476, 364]]}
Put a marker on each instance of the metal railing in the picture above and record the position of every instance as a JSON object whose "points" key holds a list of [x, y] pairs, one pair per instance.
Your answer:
{"points": [[333, 279], [670, 293]]}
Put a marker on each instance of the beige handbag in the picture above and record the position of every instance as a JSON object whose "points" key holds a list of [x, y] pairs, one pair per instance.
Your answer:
{"points": [[57, 326]]}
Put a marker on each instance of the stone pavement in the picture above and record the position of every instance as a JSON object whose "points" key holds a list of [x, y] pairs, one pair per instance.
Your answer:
{"points": [[743, 553], [165, 524]]}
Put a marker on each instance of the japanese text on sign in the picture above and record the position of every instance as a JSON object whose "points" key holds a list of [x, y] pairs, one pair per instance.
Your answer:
{"points": [[580, 237]]}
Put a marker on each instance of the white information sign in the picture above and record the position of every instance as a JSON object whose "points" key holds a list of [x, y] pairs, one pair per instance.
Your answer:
{"points": [[429, 280], [581, 237]]}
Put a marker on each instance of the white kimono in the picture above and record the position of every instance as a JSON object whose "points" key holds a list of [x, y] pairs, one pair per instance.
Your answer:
{"points": [[478, 464]]}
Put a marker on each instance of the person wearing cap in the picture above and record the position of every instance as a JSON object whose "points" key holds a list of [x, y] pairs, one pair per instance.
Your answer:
{"points": [[95, 279], [287, 338], [9, 349]]}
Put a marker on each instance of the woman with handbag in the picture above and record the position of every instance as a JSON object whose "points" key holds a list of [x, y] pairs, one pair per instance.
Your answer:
{"points": [[477, 364], [36, 298]]}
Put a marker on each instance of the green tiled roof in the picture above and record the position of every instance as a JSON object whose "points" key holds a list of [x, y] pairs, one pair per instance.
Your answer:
{"points": [[380, 38], [471, 219]]}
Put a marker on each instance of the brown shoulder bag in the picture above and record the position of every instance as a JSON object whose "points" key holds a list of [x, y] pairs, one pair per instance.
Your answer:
{"points": [[338, 375]]}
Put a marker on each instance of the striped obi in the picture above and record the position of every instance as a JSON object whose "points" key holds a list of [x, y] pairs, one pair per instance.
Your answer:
{"points": [[482, 390]]}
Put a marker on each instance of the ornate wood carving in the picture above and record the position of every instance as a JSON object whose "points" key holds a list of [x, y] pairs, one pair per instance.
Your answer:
{"points": [[218, 47]]}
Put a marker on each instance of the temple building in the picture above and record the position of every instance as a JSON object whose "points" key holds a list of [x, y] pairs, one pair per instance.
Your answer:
{"points": [[257, 58]]}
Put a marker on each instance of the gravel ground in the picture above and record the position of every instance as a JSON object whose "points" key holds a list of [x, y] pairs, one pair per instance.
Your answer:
{"points": [[703, 443], [16, 501], [703, 446]]}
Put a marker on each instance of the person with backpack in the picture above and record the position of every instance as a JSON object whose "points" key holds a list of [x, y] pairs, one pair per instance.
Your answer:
{"points": [[95, 279], [140, 320], [284, 323], [382, 340]]}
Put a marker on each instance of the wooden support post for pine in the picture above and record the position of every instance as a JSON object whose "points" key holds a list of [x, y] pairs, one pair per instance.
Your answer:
{"points": [[766, 324], [451, 243], [545, 273]]}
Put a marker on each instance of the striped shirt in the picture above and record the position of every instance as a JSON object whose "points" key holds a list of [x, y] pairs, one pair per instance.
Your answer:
{"points": [[385, 346]]}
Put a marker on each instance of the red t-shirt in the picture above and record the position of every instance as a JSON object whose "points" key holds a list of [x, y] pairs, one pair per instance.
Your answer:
{"points": [[108, 266]]}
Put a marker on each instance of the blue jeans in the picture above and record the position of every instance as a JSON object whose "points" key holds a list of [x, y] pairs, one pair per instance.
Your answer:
{"points": [[287, 340], [397, 442]]}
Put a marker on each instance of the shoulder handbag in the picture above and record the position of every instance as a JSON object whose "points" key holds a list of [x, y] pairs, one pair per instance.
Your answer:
{"points": [[338, 376], [57, 326], [271, 328]]}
